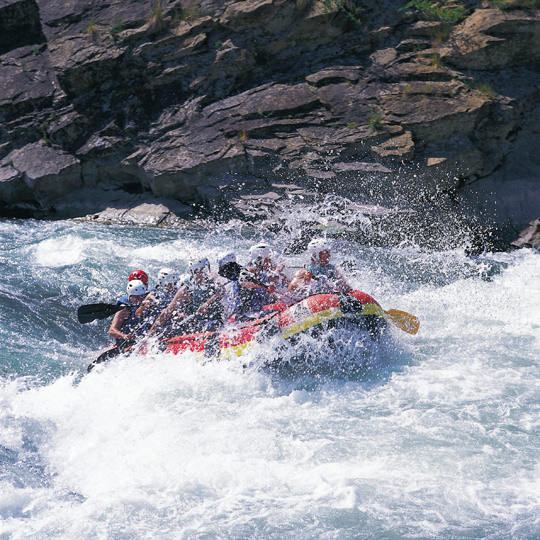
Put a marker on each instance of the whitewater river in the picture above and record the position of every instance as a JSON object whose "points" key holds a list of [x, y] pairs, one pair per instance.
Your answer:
{"points": [[433, 436]]}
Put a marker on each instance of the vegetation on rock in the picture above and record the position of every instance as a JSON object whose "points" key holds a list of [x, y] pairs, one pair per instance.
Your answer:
{"points": [[445, 11]]}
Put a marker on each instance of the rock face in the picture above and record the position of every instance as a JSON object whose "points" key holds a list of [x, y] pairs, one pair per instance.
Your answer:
{"points": [[236, 108]]}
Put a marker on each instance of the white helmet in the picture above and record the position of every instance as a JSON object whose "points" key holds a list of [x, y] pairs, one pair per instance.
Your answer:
{"points": [[166, 276], [136, 288], [227, 258], [260, 250], [318, 245], [195, 264]]}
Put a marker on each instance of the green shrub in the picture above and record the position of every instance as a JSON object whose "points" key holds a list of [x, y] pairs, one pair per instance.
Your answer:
{"points": [[346, 6], [157, 21], [375, 119], [116, 29], [445, 11], [91, 28], [480, 86], [515, 4]]}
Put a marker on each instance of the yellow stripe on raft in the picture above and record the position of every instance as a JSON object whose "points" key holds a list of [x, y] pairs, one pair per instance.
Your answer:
{"points": [[312, 320], [236, 350], [373, 309]]}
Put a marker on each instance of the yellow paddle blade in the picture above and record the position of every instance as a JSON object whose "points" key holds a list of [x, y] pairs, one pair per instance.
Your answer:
{"points": [[403, 320]]}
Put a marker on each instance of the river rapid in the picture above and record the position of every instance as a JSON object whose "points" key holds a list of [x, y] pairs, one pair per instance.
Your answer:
{"points": [[433, 436]]}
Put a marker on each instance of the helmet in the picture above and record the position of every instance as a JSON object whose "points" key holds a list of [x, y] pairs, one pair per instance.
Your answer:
{"points": [[195, 264], [318, 245], [227, 258], [141, 275], [136, 288], [167, 275], [260, 250]]}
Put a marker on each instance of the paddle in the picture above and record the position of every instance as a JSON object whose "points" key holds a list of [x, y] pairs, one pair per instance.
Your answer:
{"points": [[93, 312], [110, 353], [403, 320]]}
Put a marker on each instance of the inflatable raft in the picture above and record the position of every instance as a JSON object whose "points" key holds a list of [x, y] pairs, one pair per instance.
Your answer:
{"points": [[354, 309]]}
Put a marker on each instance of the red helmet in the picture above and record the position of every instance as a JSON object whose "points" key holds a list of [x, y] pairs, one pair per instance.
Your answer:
{"points": [[141, 275]]}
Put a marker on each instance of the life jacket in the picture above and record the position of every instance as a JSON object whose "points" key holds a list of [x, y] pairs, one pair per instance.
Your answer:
{"points": [[260, 297], [134, 325], [329, 275], [328, 271], [163, 298], [123, 300], [237, 300]]}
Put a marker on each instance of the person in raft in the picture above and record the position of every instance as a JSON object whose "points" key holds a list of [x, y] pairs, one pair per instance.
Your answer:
{"points": [[160, 297], [269, 274], [320, 275], [236, 289], [198, 296], [126, 327], [141, 275]]}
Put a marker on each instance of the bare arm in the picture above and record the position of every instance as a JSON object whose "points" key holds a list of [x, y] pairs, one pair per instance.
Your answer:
{"points": [[301, 277], [341, 282], [149, 301], [203, 308], [180, 297], [119, 318], [280, 271]]}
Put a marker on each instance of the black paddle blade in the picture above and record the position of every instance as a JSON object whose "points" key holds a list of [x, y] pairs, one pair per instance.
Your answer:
{"points": [[93, 312], [111, 352]]}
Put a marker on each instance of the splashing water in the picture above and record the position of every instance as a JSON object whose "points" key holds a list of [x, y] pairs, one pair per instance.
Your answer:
{"points": [[433, 436]]}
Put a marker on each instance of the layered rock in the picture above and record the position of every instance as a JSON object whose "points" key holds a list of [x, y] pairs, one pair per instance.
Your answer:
{"points": [[238, 107], [529, 237]]}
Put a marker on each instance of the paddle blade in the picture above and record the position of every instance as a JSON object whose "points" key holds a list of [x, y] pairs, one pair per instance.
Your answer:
{"points": [[403, 320], [93, 312]]}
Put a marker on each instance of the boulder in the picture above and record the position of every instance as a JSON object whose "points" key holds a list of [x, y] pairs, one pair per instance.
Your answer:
{"points": [[116, 206], [395, 150], [83, 64], [49, 172], [529, 237], [27, 84], [492, 39], [13, 189]]}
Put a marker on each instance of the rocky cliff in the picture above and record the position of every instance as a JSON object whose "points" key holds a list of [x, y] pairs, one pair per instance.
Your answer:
{"points": [[424, 116]]}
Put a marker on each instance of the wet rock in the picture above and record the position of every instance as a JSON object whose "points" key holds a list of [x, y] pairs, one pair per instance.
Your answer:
{"points": [[116, 206], [396, 150], [529, 237]]}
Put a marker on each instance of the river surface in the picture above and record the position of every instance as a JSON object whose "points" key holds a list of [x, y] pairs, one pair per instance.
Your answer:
{"points": [[433, 436]]}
